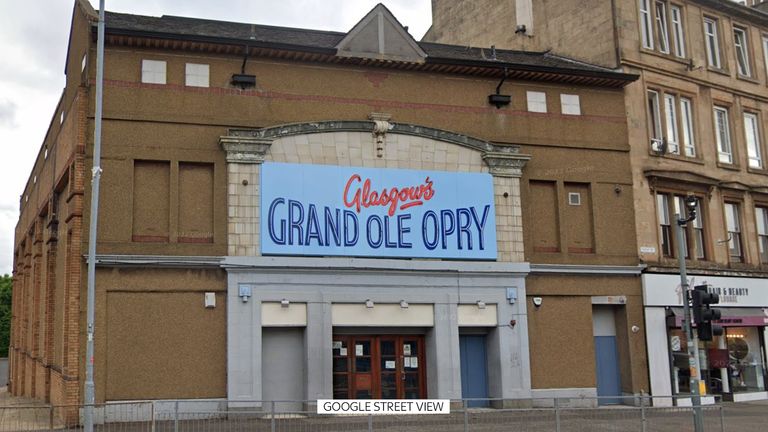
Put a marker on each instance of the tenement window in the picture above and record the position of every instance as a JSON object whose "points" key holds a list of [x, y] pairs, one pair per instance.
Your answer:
{"points": [[761, 214], [752, 135], [711, 40], [671, 122], [723, 135], [661, 27], [733, 225], [153, 71], [742, 51], [668, 206]]}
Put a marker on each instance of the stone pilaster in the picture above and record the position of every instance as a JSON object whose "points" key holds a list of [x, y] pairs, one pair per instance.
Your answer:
{"points": [[245, 154], [507, 168]]}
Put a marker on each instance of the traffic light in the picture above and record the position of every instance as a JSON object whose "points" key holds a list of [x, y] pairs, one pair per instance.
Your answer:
{"points": [[703, 314]]}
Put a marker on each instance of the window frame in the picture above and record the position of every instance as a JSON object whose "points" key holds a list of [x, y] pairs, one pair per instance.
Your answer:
{"points": [[671, 120], [646, 24], [570, 104], [741, 50], [757, 140], [678, 29], [668, 203], [150, 76], [532, 105], [712, 42], [661, 25], [733, 231], [720, 134], [761, 229], [197, 76]]}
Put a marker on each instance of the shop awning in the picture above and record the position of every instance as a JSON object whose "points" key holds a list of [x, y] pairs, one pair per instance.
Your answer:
{"points": [[731, 317]]}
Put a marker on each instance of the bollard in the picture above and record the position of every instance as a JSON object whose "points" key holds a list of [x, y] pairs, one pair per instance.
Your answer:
{"points": [[466, 416], [176, 417], [272, 424]]}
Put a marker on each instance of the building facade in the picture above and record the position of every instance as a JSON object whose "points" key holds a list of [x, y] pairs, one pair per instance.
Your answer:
{"points": [[696, 126], [340, 213]]}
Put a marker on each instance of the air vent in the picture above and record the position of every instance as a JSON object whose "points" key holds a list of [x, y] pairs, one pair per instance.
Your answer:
{"points": [[574, 198]]}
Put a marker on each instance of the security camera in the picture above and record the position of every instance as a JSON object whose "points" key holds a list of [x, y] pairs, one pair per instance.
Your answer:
{"points": [[537, 301]]}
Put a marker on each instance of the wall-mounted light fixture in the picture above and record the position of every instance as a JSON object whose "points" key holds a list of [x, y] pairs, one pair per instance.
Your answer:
{"points": [[244, 292], [403, 304], [480, 304], [499, 100], [537, 301], [369, 304], [284, 303]]}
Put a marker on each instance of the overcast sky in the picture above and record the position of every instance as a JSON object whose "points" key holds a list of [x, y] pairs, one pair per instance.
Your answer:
{"points": [[34, 45]]}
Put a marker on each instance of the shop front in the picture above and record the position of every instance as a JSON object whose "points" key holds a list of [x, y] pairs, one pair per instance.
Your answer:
{"points": [[732, 365]]}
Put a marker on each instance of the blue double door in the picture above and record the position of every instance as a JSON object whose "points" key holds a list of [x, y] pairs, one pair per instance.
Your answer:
{"points": [[474, 373]]}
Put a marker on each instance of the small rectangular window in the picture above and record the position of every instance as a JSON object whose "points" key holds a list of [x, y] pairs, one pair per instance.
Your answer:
{"points": [[742, 51], [713, 46], [570, 104], [197, 75], [153, 71], [677, 31], [752, 133], [733, 224], [574, 198], [665, 226], [673, 138], [537, 101], [723, 135], [645, 24]]}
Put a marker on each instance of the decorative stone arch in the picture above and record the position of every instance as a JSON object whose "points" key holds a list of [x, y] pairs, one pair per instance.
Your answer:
{"points": [[246, 149]]}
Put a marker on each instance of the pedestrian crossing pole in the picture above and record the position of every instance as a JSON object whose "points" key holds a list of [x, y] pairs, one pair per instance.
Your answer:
{"points": [[692, 341]]}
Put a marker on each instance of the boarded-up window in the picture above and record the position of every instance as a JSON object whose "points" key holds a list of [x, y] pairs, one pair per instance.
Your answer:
{"points": [[544, 208], [151, 197], [578, 218], [195, 203]]}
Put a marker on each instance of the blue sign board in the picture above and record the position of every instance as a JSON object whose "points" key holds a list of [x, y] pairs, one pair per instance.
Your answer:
{"points": [[347, 211]]}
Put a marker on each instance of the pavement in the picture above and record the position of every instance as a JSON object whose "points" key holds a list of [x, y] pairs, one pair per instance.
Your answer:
{"points": [[23, 414]]}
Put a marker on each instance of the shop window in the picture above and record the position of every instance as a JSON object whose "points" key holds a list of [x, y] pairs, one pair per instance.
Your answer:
{"points": [[733, 225], [537, 101], [197, 75], [761, 215], [153, 71], [694, 237], [746, 367]]}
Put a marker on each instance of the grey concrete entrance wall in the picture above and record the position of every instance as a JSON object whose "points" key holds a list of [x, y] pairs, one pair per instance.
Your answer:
{"points": [[321, 283]]}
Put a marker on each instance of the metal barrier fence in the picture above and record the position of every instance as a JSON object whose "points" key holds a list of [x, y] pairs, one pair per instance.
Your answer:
{"points": [[523, 415]]}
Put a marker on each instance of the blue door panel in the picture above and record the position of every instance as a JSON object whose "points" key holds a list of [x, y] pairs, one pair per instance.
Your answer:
{"points": [[474, 377], [607, 367]]}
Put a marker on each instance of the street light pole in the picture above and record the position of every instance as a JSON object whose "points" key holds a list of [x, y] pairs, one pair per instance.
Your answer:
{"points": [[93, 225], [693, 343]]}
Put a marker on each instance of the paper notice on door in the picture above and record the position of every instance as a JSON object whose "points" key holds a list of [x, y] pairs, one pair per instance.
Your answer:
{"points": [[358, 350], [342, 351], [407, 362], [389, 364], [406, 349], [414, 362], [336, 344]]}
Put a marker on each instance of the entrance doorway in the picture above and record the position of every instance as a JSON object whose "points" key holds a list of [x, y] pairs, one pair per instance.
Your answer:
{"points": [[606, 355], [378, 367], [474, 376]]}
